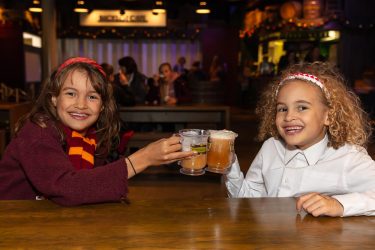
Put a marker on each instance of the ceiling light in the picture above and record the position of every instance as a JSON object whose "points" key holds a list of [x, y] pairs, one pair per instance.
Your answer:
{"points": [[35, 7], [158, 7], [81, 7], [203, 8]]}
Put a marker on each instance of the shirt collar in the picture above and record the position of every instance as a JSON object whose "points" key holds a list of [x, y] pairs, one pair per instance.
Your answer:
{"points": [[311, 154]]}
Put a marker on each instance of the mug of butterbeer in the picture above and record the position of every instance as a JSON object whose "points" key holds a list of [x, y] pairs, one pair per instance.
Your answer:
{"points": [[194, 140], [220, 150]]}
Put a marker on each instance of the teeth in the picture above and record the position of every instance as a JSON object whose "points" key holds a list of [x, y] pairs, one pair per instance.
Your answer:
{"points": [[293, 128], [79, 114]]}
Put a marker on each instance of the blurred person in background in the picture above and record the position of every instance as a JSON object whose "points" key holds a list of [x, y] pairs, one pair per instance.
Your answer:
{"points": [[153, 92], [179, 67], [217, 70], [173, 87], [129, 85], [109, 71]]}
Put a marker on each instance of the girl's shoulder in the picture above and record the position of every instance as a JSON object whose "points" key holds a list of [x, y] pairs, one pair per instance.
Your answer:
{"points": [[32, 131], [351, 152], [273, 145]]}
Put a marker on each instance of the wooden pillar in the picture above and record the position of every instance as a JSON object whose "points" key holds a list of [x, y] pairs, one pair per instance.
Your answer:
{"points": [[49, 39]]}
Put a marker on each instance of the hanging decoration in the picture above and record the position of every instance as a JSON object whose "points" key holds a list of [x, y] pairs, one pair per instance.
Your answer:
{"points": [[135, 33], [301, 20]]}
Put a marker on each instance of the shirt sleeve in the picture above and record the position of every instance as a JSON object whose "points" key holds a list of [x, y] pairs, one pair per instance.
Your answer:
{"points": [[51, 173], [252, 185], [360, 180]]}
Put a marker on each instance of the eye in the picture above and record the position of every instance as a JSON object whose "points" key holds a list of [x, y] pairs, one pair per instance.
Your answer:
{"points": [[70, 93], [281, 109], [94, 97], [302, 108]]}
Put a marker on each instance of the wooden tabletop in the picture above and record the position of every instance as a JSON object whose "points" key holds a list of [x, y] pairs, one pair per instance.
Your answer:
{"points": [[266, 223]]}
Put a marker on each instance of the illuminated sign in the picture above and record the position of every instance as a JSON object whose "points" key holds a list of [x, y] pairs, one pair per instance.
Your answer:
{"points": [[131, 18]]}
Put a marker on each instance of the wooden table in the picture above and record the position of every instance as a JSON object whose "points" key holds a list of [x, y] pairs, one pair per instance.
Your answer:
{"points": [[217, 115], [267, 223]]}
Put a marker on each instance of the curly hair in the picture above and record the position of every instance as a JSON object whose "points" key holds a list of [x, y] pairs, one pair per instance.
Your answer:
{"points": [[108, 123], [348, 122]]}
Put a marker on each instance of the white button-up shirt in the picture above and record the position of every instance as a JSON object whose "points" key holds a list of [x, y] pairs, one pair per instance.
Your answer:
{"points": [[347, 174]]}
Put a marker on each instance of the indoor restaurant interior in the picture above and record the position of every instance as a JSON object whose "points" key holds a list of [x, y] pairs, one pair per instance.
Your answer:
{"points": [[221, 56]]}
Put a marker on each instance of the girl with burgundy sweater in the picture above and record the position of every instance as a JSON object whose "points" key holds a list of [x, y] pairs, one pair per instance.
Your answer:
{"points": [[60, 148]]}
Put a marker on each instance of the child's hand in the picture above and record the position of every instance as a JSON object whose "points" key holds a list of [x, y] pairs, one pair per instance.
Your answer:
{"points": [[123, 79], [318, 204], [163, 151]]}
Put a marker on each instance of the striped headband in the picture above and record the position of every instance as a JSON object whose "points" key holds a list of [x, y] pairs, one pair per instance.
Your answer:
{"points": [[304, 77], [74, 60]]}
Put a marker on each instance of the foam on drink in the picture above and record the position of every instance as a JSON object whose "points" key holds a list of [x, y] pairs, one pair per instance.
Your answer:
{"points": [[221, 148]]}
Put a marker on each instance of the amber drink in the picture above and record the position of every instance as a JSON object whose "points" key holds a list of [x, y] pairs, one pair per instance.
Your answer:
{"points": [[220, 151], [194, 140]]}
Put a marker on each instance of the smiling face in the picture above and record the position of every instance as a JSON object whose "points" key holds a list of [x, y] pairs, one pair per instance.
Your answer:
{"points": [[78, 105], [301, 116]]}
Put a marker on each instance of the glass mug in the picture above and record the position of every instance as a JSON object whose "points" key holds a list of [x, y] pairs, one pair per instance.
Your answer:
{"points": [[194, 140], [220, 151]]}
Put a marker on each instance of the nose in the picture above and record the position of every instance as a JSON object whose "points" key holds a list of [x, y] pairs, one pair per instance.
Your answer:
{"points": [[289, 116], [81, 102]]}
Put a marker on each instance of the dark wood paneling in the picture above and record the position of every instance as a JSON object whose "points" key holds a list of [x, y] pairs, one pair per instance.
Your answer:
{"points": [[12, 63]]}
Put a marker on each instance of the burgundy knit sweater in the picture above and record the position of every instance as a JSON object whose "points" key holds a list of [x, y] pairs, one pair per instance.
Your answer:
{"points": [[35, 164]]}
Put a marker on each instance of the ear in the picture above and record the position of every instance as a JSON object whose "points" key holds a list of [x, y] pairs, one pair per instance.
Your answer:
{"points": [[326, 118], [54, 100]]}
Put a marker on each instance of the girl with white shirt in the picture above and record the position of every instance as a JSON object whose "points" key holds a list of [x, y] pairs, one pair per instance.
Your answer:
{"points": [[315, 132]]}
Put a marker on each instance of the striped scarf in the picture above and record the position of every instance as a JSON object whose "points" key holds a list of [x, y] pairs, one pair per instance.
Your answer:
{"points": [[81, 149]]}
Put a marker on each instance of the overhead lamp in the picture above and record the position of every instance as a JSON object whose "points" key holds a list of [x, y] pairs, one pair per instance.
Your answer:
{"points": [[36, 7], [159, 7], [203, 8], [81, 7]]}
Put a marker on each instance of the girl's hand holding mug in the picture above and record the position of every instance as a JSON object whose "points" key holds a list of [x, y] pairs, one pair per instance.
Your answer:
{"points": [[163, 151]]}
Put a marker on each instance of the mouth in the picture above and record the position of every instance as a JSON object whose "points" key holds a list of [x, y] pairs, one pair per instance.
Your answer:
{"points": [[79, 116], [292, 130]]}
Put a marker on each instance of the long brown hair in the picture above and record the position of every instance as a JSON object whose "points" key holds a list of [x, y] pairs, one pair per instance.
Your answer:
{"points": [[108, 123]]}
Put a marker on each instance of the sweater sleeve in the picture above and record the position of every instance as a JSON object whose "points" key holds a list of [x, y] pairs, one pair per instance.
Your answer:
{"points": [[50, 172]]}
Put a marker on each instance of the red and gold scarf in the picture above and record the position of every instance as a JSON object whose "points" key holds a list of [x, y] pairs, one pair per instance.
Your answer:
{"points": [[81, 149]]}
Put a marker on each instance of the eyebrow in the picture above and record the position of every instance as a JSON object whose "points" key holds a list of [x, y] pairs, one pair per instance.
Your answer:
{"points": [[68, 88], [299, 102], [71, 88]]}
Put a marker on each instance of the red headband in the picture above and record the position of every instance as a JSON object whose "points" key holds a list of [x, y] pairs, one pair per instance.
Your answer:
{"points": [[74, 60]]}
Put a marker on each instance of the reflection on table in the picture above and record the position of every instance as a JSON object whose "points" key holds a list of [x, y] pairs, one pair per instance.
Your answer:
{"points": [[265, 223]]}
